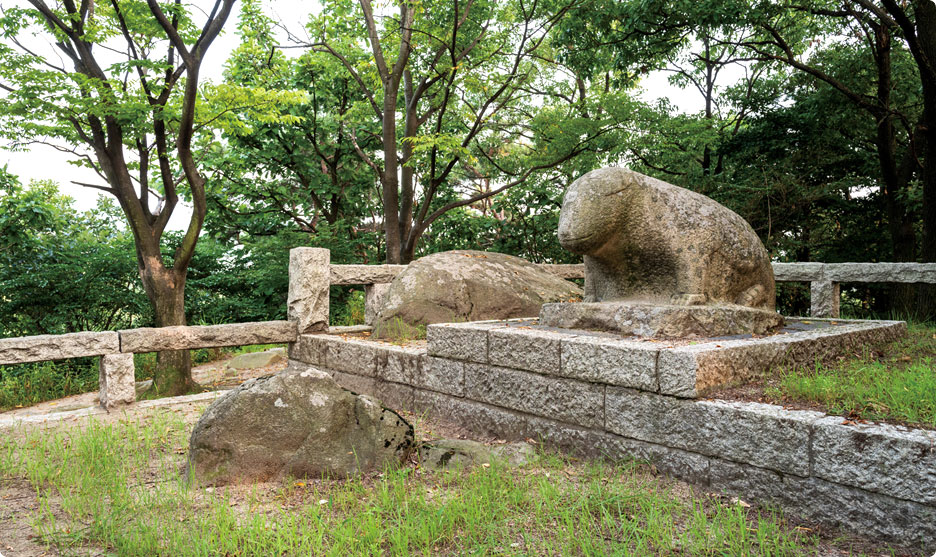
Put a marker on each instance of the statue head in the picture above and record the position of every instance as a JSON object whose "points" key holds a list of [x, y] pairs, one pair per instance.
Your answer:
{"points": [[592, 209]]}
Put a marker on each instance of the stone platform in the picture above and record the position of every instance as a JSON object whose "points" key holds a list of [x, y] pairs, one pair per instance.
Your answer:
{"points": [[661, 320], [682, 368], [598, 394]]}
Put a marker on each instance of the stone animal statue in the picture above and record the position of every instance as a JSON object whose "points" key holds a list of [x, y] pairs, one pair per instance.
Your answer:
{"points": [[646, 240]]}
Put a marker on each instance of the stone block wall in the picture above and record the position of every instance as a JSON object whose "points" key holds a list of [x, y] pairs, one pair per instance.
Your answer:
{"points": [[607, 398]]}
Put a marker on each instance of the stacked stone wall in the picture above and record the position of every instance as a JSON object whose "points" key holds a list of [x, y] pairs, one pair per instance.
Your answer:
{"points": [[606, 398]]}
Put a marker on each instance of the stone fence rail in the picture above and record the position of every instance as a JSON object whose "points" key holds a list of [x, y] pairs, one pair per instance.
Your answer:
{"points": [[44, 348], [116, 349], [824, 278]]}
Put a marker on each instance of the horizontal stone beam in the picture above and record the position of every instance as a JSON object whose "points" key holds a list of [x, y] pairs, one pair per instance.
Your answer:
{"points": [[364, 274], [797, 272], [210, 336], [856, 272], [43, 348], [881, 272]]}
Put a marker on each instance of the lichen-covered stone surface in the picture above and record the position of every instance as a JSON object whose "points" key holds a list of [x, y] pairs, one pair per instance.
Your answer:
{"points": [[661, 320], [155, 339], [309, 279], [447, 454], [456, 286], [299, 423]]}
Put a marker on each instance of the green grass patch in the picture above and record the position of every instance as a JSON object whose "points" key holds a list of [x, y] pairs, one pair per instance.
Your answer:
{"points": [[895, 383], [400, 331], [28, 384], [119, 487]]}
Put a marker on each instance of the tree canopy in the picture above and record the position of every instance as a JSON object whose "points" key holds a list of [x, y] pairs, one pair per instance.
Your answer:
{"points": [[385, 131]]}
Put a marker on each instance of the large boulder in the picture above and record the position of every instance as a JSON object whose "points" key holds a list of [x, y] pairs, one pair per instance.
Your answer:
{"points": [[465, 285], [299, 423]]}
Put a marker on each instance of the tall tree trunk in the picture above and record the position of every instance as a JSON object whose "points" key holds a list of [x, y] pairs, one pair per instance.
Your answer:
{"points": [[165, 289], [903, 236], [926, 32]]}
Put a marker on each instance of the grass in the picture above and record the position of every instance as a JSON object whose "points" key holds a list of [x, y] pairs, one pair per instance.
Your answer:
{"points": [[894, 383], [398, 330], [28, 384], [119, 487]]}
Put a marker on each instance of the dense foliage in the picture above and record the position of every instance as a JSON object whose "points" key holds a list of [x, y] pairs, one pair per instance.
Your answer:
{"points": [[398, 129]]}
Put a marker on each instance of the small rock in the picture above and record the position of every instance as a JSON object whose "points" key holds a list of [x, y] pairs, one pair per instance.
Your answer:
{"points": [[143, 386], [256, 360], [463, 453]]}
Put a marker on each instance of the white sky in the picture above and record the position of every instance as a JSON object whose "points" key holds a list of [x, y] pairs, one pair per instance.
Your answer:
{"points": [[42, 162]]}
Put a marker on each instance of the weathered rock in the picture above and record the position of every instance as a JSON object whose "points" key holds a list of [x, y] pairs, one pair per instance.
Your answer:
{"points": [[458, 286], [299, 423], [307, 299], [142, 386], [465, 453], [256, 360], [373, 298], [662, 320], [644, 239]]}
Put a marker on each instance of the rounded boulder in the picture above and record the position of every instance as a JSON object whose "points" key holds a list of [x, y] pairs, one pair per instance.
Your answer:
{"points": [[299, 423], [466, 285]]}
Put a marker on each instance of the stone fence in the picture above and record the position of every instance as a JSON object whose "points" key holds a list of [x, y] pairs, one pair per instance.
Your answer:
{"points": [[310, 276], [824, 279], [116, 348]]}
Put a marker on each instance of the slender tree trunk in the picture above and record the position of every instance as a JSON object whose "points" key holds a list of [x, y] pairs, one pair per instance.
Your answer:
{"points": [[924, 307], [926, 27], [390, 181], [165, 289]]}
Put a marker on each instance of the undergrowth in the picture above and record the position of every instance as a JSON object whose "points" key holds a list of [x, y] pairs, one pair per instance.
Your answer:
{"points": [[28, 384], [896, 382], [118, 487]]}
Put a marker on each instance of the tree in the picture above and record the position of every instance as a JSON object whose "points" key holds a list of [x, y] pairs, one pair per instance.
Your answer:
{"points": [[123, 119], [268, 177], [464, 79], [876, 54], [61, 271]]}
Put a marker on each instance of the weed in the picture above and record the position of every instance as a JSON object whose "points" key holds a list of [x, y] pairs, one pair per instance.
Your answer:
{"points": [[118, 487], [898, 383], [400, 331]]}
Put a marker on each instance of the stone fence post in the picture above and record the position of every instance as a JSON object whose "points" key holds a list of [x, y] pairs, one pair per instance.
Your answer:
{"points": [[309, 279], [117, 380], [824, 298]]}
